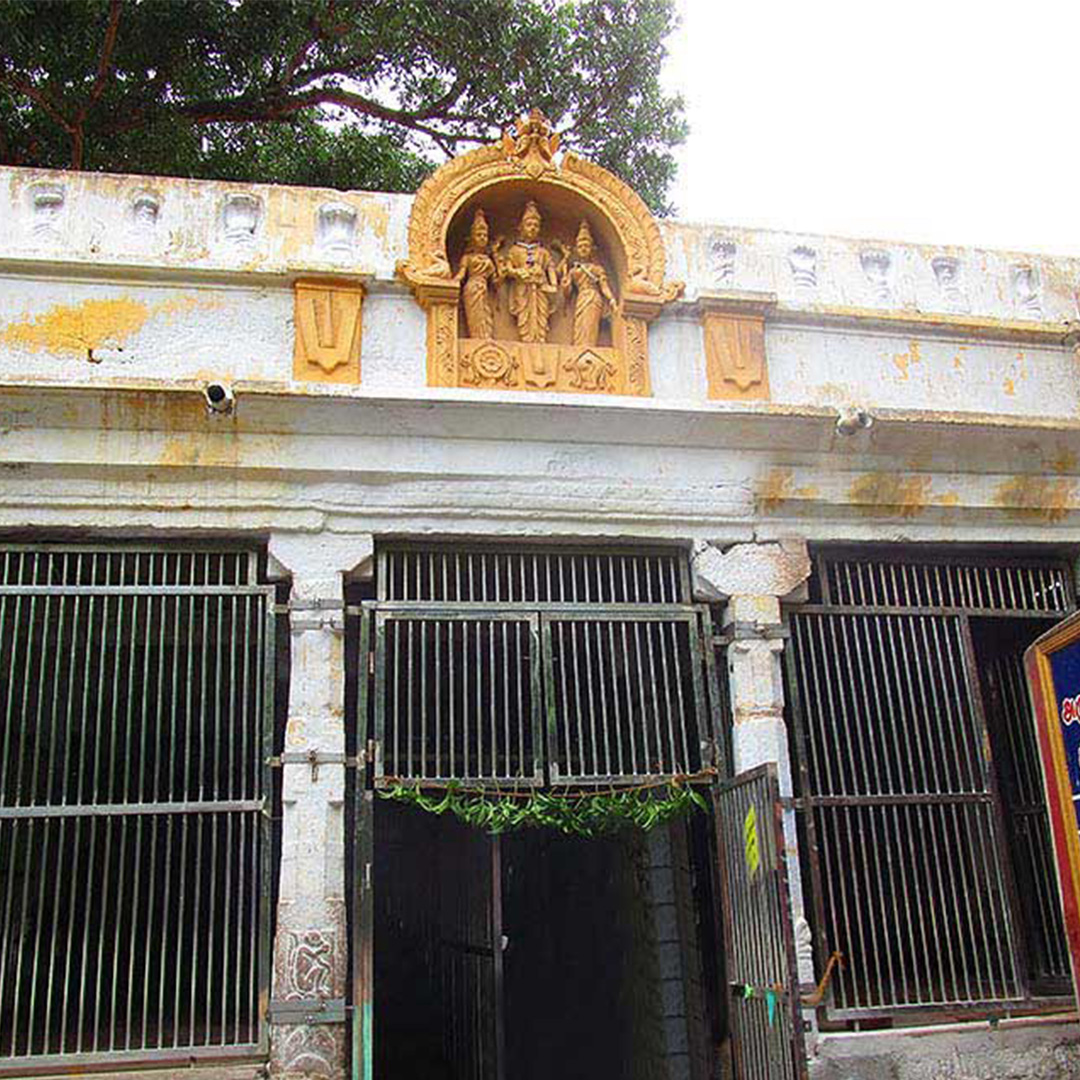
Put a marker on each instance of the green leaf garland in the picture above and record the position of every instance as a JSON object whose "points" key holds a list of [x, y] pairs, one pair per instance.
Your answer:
{"points": [[574, 813]]}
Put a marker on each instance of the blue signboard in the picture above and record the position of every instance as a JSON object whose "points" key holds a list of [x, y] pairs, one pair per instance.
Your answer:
{"points": [[1065, 665]]}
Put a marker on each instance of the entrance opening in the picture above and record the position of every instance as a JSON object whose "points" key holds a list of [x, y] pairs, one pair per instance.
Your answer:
{"points": [[536, 954], [508, 669]]}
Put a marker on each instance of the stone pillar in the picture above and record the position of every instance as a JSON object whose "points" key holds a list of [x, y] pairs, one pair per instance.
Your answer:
{"points": [[753, 579], [310, 946]]}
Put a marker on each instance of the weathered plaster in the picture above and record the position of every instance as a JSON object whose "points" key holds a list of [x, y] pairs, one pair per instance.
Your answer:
{"points": [[119, 303], [160, 295]]}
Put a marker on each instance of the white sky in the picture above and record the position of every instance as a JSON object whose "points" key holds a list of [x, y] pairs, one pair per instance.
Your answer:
{"points": [[947, 122]]}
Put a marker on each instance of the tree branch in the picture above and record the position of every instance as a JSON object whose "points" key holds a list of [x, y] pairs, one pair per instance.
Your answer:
{"points": [[105, 61], [299, 56], [240, 110], [78, 135], [35, 95]]}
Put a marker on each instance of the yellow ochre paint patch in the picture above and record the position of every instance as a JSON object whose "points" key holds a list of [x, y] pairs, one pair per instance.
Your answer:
{"points": [[80, 328], [1035, 498], [778, 487], [890, 493], [76, 328], [903, 361]]}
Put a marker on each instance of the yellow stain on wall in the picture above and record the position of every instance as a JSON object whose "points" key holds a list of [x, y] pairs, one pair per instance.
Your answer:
{"points": [[880, 493], [1035, 498], [777, 487], [91, 324], [77, 328], [1064, 463], [189, 449], [903, 361], [774, 490]]}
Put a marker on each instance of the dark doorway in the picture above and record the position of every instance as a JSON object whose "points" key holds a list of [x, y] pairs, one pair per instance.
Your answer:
{"points": [[536, 955], [437, 948]]}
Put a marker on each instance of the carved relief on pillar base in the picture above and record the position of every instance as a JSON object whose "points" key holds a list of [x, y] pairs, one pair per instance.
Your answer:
{"points": [[305, 1051], [309, 964]]}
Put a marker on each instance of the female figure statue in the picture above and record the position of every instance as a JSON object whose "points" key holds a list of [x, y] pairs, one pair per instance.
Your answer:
{"points": [[589, 279], [480, 275], [533, 281]]}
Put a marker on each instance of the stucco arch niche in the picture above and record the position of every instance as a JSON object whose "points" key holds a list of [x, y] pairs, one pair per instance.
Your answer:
{"points": [[536, 273]]}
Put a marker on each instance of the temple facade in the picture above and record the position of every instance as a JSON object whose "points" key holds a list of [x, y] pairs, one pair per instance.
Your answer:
{"points": [[311, 497]]}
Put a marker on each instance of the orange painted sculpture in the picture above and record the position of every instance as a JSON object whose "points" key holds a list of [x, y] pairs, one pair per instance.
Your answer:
{"points": [[588, 278], [480, 275]]}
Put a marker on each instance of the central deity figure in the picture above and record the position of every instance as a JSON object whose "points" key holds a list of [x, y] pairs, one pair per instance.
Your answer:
{"points": [[530, 269]]}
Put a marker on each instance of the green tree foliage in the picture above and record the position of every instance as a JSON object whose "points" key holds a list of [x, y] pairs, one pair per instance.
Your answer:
{"points": [[342, 93]]}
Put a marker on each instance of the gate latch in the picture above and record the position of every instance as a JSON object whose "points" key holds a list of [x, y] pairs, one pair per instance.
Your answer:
{"points": [[307, 1011], [315, 758]]}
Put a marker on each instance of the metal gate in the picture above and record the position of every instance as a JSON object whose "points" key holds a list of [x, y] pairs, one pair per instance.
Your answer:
{"points": [[766, 1019], [898, 790], [510, 668], [136, 710]]}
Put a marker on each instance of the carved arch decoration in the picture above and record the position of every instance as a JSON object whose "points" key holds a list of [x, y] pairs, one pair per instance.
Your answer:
{"points": [[580, 323]]}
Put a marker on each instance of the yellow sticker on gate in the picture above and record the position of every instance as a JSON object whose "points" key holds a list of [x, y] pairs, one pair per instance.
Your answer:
{"points": [[750, 842]]}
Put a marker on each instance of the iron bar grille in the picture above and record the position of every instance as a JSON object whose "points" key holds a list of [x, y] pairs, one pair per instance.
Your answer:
{"points": [[51, 565], [529, 666], [533, 575], [902, 816], [136, 718], [458, 697], [1009, 709], [971, 584], [623, 696], [759, 946]]}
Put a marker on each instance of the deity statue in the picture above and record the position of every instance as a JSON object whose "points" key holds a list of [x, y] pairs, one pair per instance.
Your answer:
{"points": [[481, 275], [589, 279], [530, 268]]}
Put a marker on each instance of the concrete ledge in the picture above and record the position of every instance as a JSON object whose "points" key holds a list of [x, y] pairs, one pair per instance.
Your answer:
{"points": [[1028, 1049]]}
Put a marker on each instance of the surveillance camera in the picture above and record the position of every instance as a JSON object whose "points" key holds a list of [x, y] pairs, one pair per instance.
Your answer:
{"points": [[219, 398], [852, 419]]}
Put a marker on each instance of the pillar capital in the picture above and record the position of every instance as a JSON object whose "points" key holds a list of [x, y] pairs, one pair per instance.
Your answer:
{"points": [[773, 569], [319, 562]]}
